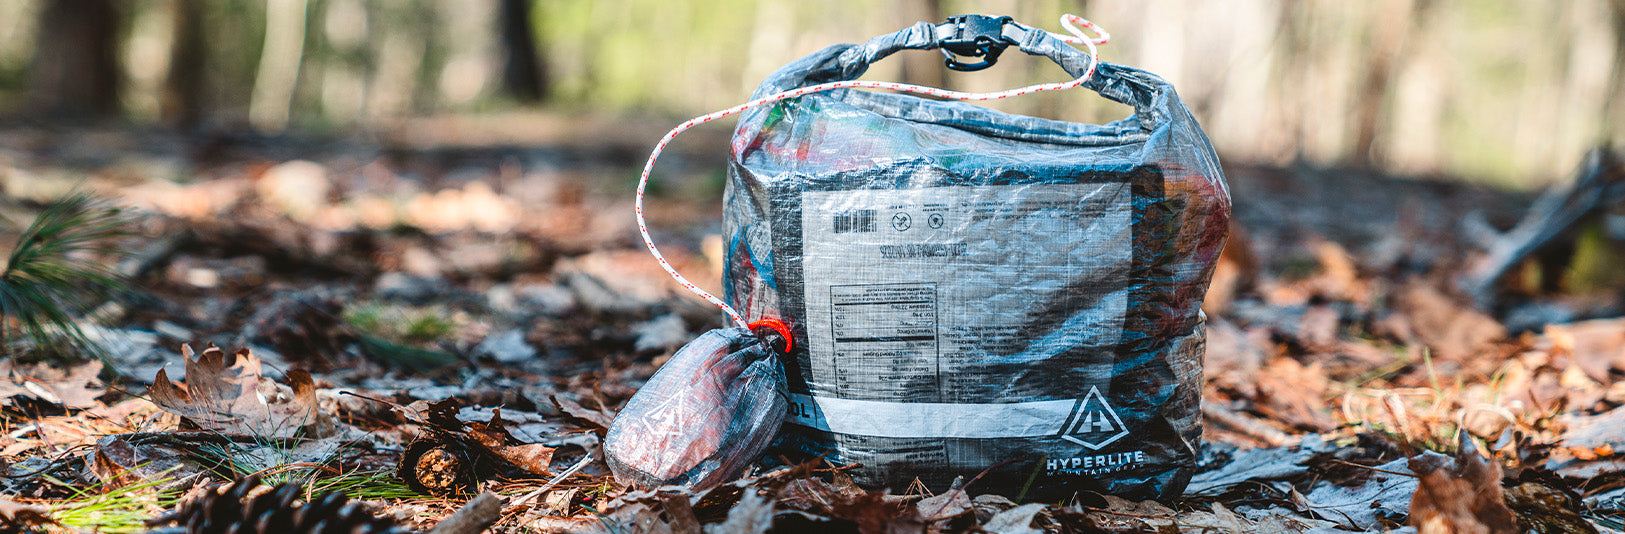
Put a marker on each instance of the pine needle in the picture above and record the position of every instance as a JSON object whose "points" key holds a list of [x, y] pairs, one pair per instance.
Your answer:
{"points": [[53, 275], [113, 510]]}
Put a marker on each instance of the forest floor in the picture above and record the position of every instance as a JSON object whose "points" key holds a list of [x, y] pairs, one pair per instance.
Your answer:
{"points": [[496, 297]]}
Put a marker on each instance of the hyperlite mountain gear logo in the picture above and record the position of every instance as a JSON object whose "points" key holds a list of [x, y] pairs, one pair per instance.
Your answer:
{"points": [[1093, 423]]}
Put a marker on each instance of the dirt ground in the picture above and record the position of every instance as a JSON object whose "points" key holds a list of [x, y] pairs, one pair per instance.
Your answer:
{"points": [[483, 310]]}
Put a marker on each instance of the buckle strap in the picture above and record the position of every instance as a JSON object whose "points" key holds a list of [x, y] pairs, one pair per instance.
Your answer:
{"points": [[977, 36]]}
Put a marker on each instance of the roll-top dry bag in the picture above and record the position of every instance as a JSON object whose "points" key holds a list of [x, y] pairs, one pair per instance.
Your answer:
{"points": [[973, 291]]}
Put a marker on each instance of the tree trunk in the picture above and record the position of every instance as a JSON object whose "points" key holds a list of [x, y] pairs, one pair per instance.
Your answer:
{"points": [[181, 102], [280, 59], [921, 68], [1394, 21], [524, 72], [75, 65], [1613, 107]]}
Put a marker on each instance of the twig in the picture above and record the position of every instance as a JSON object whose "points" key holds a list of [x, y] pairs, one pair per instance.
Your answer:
{"points": [[473, 517], [1376, 469], [49, 466], [1126, 514], [1245, 425], [149, 257], [551, 483], [296, 465], [1601, 184]]}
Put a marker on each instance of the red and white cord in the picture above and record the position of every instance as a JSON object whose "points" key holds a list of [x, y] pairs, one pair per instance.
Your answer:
{"points": [[1068, 21]]}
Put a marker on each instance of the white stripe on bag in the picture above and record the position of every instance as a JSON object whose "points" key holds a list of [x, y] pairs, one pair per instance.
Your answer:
{"points": [[930, 419]]}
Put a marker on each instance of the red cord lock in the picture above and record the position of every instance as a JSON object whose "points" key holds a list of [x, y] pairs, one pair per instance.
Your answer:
{"points": [[777, 326]]}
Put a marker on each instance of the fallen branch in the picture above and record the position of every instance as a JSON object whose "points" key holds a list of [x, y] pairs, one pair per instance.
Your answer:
{"points": [[473, 517], [1601, 184], [1244, 425]]}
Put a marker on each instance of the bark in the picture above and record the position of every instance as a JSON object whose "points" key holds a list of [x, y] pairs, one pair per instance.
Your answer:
{"points": [[75, 65], [921, 68], [524, 71], [1394, 23], [181, 102], [280, 59]]}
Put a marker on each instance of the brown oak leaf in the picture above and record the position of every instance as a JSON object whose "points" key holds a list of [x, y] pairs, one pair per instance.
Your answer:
{"points": [[227, 394]]}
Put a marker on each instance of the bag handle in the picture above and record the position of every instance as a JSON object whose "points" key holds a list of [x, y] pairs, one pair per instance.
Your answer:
{"points": [[986, 37], [843, 63]]}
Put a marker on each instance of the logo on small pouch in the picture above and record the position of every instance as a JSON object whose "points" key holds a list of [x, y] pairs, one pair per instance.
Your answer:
{"points": [[901, 221], [1093, 423]]}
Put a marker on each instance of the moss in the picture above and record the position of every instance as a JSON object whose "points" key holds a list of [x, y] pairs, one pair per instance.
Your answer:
{"points": [[1598, 264]]}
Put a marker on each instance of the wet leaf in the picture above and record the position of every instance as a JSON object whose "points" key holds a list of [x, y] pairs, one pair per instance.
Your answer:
{"points": [[753, 513], [126, 459], [595, 418], [1018, 520], [948, 505], [1259, 464], [1543, 503], [1364, 503]]}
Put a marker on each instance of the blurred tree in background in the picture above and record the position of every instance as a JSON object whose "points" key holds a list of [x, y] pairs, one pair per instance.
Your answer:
{"points": [[1507, 90], [74, 72]]}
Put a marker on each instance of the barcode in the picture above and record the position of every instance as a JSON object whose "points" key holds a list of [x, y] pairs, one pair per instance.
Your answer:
{"points": [[855, 221]]}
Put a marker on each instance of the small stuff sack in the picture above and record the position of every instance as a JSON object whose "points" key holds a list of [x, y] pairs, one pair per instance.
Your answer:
{"points": [[973, 291], [703, 417]]}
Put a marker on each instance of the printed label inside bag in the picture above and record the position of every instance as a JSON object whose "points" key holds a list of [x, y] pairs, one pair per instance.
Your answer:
{"points": [[920, 306]]}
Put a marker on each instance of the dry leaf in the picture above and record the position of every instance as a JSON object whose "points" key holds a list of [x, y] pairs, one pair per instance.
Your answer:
{"points": [[494, 437], [950, 504], [1291, 393], [19, 517], [228, 395], [1542, 502], [754, 513], [74, 388], [1463, 499], [1597, 347], [1452, 329], [1018, 520], [1233, 358], [449, 456], [591, 417]]}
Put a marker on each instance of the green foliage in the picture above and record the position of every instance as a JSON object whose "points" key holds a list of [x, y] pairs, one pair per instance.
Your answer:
{"points": [[398, 335], [365, 485], [122, 509], [58, 272], [278, 463], [401, 324], [399, 355], [1598, 265], [428, 328]]}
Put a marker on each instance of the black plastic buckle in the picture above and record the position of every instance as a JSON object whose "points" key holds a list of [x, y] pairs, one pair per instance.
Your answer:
{"points": [[975, 36]]}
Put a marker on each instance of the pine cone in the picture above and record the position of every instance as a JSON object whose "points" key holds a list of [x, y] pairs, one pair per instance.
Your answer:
{"points": [[279, 511]]}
